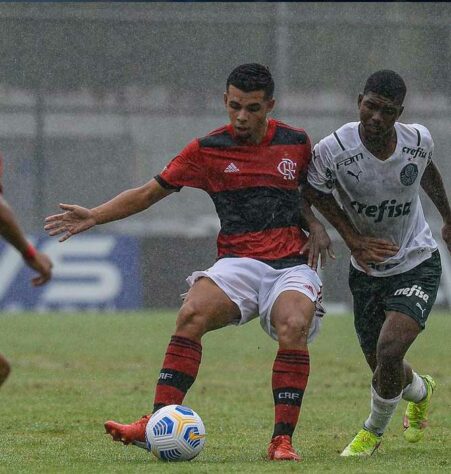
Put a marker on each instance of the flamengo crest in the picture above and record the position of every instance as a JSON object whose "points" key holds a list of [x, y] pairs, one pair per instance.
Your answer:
{"points": [[287, 168]]}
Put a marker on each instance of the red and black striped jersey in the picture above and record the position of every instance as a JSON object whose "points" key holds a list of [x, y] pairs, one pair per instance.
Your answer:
{"points": [[255, 189]]}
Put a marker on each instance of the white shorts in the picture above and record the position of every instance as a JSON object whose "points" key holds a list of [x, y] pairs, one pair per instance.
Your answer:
{"points": [[254, 287]]}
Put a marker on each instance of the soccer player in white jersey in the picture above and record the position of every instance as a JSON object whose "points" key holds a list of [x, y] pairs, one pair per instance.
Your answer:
{"points": [[365, 179]]}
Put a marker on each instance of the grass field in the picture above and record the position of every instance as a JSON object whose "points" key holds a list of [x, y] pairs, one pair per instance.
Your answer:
{"points": [[73, 372]]}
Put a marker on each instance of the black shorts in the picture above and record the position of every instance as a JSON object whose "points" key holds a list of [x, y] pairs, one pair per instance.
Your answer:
{"points": [[412, 293]]}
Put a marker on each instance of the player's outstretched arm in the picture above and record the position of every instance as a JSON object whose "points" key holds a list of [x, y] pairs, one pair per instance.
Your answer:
{"points": [[78, 219], [11, 231], [74, 220], [432, 184]]}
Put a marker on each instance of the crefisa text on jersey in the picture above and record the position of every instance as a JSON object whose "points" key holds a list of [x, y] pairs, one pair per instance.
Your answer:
{"points": [[378, 211], [417, 152]]}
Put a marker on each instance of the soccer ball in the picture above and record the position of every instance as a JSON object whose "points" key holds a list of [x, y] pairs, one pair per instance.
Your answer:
{"points": [[175, 433]]}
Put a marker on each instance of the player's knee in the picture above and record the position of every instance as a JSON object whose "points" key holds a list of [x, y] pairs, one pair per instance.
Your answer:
{"points": [[390, 353], [190, 320], [292, 329]]}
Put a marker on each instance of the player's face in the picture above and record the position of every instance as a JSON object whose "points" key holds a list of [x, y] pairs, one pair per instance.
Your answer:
{"points": [[247, 113], [378, 115]]}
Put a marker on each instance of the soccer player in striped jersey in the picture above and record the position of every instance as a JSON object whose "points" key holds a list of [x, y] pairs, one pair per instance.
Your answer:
{"points": [[251, 168], [375, 169], [11, 232]]}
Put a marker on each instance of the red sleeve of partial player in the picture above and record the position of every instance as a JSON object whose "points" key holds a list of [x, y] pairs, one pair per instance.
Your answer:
{"points": [[185, 169]]}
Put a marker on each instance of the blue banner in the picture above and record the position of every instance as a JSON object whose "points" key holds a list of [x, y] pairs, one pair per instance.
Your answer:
{"points": [[90, 272]]}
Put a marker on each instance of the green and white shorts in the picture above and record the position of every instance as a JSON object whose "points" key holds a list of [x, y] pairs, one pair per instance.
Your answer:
{"points": [[412, 293]]}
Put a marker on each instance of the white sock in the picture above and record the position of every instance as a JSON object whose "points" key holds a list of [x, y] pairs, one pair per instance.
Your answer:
{"points": [[416, 390], [381, 412]]}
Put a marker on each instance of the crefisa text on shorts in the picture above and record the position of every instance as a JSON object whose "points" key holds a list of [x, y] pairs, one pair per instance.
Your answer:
{"points": [[413, 290]]}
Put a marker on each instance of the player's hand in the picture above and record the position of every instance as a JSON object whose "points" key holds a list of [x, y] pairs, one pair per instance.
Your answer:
{"points": [[367, 250], [319, 246], [76, 219], [43, 265], [446, 235]]}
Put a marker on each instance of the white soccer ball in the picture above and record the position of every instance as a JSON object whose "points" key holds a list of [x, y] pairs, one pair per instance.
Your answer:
{"points": [[175, 433]]}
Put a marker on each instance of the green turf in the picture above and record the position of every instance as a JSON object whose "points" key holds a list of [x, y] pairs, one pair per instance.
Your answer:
{"points": [[71, 372]]}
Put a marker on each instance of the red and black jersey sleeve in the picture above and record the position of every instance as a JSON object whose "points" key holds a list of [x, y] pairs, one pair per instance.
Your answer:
{"points": [[186, 169]]}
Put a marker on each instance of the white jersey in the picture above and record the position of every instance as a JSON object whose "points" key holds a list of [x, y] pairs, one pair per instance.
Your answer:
{"points": [[381, 198]]}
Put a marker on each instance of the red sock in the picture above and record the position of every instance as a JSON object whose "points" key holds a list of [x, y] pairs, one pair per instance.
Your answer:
{"points": [[180, 367], [289, 378]]}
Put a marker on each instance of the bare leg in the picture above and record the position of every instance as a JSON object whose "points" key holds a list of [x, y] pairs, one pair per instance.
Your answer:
{"points": [[291, 316], [389, 377], [372, 362], [206, 308], [392, 374]]}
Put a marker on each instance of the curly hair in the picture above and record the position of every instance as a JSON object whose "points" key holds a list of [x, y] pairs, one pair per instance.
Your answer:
{"points": [[387, 84]]}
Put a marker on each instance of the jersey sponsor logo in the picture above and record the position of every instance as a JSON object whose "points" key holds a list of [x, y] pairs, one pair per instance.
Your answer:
{"points": [[385, 209], [413, 290], [416, 152], [350, 160], [409, 174], [232, 168], [356, 176], [287, 168]]}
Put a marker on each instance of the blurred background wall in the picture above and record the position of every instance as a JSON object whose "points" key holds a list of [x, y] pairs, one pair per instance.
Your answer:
{"points": [[97, 97]]}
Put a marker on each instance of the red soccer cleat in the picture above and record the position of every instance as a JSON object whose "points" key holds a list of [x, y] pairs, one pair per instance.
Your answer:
{"points": [[134, 433], [281, 449]]}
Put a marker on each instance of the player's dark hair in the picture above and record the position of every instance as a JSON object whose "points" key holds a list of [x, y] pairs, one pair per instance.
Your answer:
{"points": [[252, 77], [388, 84]]}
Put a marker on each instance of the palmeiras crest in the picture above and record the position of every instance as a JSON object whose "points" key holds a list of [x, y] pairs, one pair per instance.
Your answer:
{"points": [[409, 174]]}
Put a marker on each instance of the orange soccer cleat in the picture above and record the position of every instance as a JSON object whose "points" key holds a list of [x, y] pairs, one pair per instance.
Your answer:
{"points": [[281, 449], [134, 433]]}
